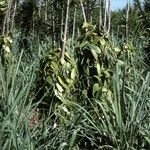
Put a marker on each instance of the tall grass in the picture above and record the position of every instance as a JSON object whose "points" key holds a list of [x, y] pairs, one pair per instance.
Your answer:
{"points": [[119, 119]]}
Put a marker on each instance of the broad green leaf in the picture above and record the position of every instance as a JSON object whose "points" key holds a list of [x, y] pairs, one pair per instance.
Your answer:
{"points": [[85, 25], [54, 66], [59, 87], [2, 3], [104, 89], [87, 71], [6, 48], [57, 94], [106, 73], [65, 110], [117, 49], [49, 80], [68, 80], [95, 48], [98, 69], [120, 62], [62, 82], [94, 54], [83, 44], [96, 88], [73, 73], [102, 41]]}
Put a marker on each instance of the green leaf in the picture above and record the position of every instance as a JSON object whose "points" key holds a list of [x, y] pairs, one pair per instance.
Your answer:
{"points": [[107, 74], [73, 73], [96, 88], [57, 94], [49, 80], [98, 69], [117, 49], [59, 87], [95, 48], [86, 70], [94, 54], [102, 41], [120, 62], [85, 25], [104, 89], [83, 44], [62, 82], [68, 80]]}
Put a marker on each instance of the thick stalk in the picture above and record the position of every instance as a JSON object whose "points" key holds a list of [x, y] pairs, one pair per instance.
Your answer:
{"points": [[13, 16], [65, 34], [127, 20], [74, 23], [109, 17], [62, 26], [100, 15], [46, 3], [105, 14], [83, 11]]}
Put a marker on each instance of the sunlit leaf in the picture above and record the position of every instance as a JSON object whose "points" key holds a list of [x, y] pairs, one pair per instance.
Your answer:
{"points": [[94, 54], [59, 87], [120, 62], [102, 41], [98, 69], [62, 82], [73, 73], [95, 48], [96, 88], [117, 49]]}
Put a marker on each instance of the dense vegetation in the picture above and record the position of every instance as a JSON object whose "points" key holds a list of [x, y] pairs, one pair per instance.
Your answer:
{"points": [[74, 75]]}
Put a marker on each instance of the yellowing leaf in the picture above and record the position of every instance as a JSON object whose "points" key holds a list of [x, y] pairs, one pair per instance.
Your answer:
{"points": [[117, 49], [102, 41], [120, 62], [96, 88], [62, 82], [6, 48], [95, 48], [98, 69], [49, 79], [57, 94], [94, 54], [104, 89], [73, 73], [65, 110], [60, 89]]}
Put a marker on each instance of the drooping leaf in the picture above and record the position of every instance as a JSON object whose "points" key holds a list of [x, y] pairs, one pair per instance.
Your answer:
{"points": [[62, 82], [117, 49], [59, 87], [73, 73], [94, 54], [98, 69], [57, 94], [102, 41], [49, 80], [96, 88], [95, 48], [120, 62]]}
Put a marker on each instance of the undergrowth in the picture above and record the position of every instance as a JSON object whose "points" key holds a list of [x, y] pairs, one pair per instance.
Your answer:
{"points": [[98, 99]]}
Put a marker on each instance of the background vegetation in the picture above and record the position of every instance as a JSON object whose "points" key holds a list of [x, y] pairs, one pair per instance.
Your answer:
{"points": [[74, 75]]}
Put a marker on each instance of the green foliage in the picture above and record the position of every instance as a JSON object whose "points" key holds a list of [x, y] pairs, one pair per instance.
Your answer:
{"points": [[56, 79], [97, 99], [96, 59]]}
